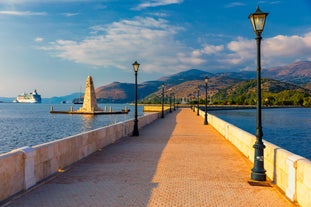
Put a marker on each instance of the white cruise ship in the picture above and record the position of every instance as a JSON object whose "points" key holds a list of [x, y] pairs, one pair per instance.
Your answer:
{"points": [[33, 97]]}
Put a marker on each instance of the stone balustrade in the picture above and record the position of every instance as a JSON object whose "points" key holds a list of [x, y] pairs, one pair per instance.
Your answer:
{"points": [[290, 172], [25, 167]]}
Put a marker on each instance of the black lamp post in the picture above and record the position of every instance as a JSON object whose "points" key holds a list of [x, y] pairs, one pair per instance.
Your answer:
{"points": [[170, 103], [162, 115], [135, 131], [174, 100], [258, 20], [198, 113], [205, 115]]}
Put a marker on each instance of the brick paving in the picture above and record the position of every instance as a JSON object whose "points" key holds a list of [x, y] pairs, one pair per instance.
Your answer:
{"points": [[176, 161]]}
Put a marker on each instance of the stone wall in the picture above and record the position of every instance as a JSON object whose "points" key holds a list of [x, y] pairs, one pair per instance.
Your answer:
{"points": [[11, 173], [156, 108], [23, 168], [290, 172]]}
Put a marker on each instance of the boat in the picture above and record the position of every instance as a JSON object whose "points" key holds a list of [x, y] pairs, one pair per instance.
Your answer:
{"points": [[77, 100], [33, 97]]}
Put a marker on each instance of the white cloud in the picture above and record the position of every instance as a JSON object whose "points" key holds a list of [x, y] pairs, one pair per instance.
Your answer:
{"points": [[152, 42], [156, 3], [147, 40], [22, 13], [38, 39], [70, 14], [275, 50], [234, 4], [241, 53]]}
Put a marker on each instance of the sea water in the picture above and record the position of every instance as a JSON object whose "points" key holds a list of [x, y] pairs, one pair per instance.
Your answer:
{"points": [[32, 124], [288, 128]]}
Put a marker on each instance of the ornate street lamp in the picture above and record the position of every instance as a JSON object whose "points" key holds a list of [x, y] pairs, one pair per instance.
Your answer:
{"points": [[192, 102], [205, 115], [198, 113], [174, 100], [258, 20], [135, 131], [163, 86], [170, 103]]}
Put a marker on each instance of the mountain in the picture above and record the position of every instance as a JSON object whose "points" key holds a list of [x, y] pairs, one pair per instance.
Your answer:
{"points": [[186, 83], [61, 99], [242, 75], [117, 92], [190, 88], [273, 92], [297, 72], [6, 99], [189, 75]]}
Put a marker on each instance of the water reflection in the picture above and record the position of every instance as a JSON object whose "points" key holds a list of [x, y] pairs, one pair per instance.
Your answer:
{"points": [[87, 122], [28, 124]]}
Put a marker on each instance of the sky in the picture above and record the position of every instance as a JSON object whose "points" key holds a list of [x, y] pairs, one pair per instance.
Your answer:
{"points": [[53, 45]]}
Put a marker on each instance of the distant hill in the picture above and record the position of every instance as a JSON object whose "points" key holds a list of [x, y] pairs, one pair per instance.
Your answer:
{"points": [[189, 75], [6, 99], [273, 92], [185, 84], [59, 99], [124, 92], [242, 75], [297, 72]]}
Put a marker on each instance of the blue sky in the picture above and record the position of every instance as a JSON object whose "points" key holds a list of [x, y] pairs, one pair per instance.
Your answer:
{"points": [[53, 45]]}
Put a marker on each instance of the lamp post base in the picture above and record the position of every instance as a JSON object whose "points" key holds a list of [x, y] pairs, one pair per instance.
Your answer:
{"points": [[258, 172], [135, 131], [259, 176], [205, 120]]}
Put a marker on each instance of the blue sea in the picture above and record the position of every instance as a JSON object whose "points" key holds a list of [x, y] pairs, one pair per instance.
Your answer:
{"points": [[32, 124], [288, 128]]}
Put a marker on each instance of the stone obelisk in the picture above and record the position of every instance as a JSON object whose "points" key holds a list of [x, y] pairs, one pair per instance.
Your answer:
{"points": [[89, 102]]}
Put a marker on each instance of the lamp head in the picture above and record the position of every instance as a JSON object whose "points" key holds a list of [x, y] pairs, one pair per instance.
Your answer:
{"points": [[258, 19], [136, 66], [206, 79]]}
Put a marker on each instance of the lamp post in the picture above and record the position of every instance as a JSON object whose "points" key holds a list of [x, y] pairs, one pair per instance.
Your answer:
{"points": [[205, 115], [170, 103], [174, 100], [162, 115], [258, 20], [135, 131], [198, 113]]}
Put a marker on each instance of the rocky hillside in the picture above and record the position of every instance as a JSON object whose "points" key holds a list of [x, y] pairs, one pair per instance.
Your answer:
{"points": [[297, 73], [273, 93], [185, 84]]}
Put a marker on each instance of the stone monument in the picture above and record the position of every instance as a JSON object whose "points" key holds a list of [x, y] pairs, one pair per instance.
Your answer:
{"points": [[89, 102]]}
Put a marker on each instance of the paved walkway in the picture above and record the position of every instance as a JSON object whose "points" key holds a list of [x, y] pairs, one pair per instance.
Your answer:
{"points": [[176, 161]]}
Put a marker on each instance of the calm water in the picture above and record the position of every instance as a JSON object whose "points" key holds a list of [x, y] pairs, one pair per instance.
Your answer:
{"points": [[289, 128], [31, 124]]}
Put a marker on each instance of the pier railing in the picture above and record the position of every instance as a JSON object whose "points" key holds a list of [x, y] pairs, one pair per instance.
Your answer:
{"points": [[290, 172]]}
